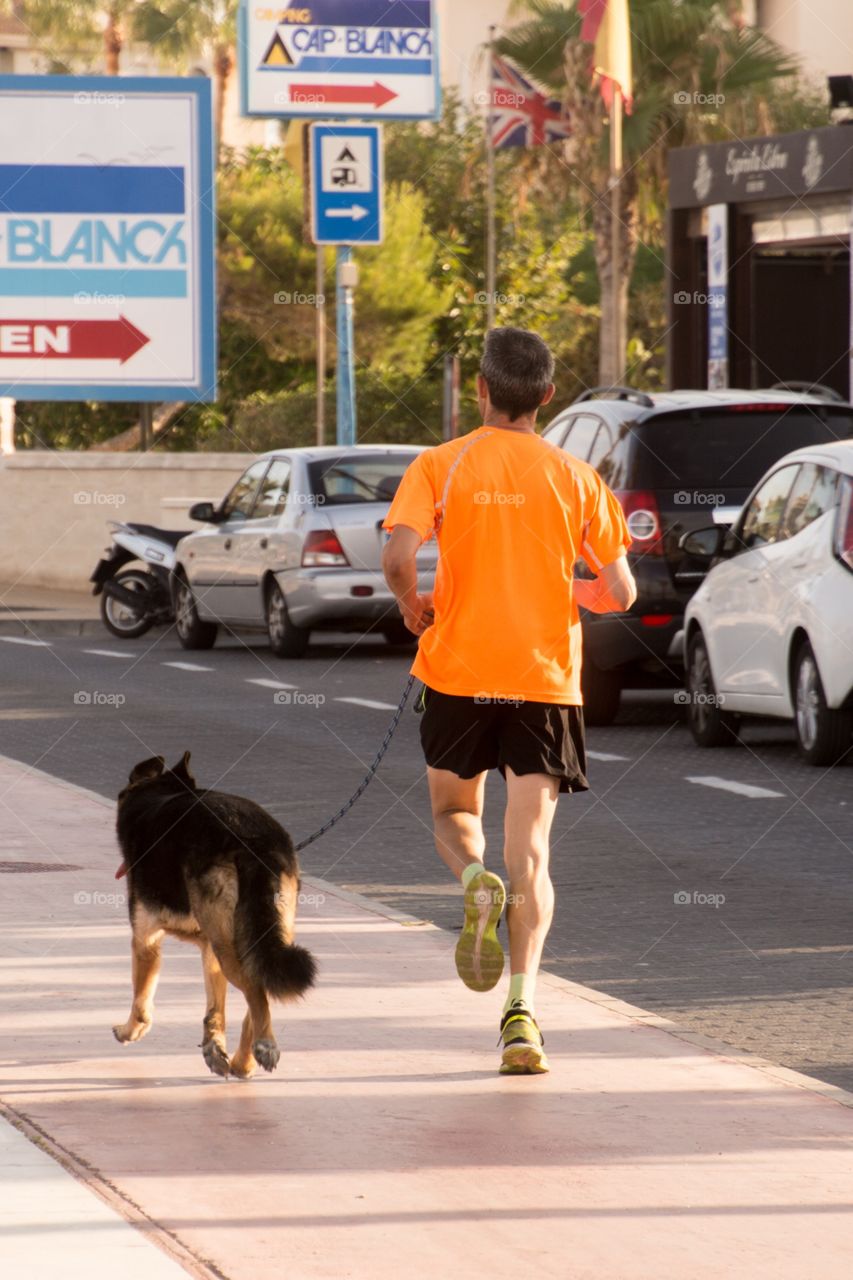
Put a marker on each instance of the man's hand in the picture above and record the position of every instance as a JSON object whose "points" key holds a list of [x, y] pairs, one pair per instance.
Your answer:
{"points": [[613, 592], [417, 615]]}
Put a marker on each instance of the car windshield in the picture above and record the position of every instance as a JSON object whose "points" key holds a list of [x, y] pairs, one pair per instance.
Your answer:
{"points": [[363, 477], [730, 449]]}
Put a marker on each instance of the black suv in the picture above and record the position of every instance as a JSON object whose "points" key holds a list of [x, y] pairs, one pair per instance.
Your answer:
{"points": [[677, 460]]}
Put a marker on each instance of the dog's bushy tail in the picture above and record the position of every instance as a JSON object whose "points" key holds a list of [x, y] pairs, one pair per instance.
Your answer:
{"points": [[282, 968]]}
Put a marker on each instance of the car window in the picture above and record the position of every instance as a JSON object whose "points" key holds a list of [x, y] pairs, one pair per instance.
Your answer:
{"points": [[274, 490], [813, 494], [359, 477], [601, 446], [241, 498], [581, 435], [761, 523]]}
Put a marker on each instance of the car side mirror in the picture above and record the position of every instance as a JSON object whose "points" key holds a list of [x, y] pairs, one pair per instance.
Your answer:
{"points": [[205, 512], [704, 544]]}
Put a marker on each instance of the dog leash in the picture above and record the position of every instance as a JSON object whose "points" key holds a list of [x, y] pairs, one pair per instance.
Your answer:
{"points": [[386, 742]]}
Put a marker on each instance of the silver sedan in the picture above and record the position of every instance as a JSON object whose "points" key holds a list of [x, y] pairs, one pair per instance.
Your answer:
{"points": [[295, 547]]}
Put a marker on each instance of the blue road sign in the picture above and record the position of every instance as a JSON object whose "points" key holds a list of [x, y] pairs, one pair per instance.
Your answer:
{"points": [[346, 184]]}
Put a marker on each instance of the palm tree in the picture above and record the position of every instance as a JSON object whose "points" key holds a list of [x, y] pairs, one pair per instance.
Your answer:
{"points": [[70, 32], [181, 31], [699, 74]]}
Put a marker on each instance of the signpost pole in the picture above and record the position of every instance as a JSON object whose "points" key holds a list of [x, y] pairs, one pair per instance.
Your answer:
{"points": [[320, 303], [616, 235], [346, 409], [491, 236]]}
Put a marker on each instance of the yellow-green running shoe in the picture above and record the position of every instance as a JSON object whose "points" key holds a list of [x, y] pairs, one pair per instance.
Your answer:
{"points": [[523, 1044], [479, 954]]}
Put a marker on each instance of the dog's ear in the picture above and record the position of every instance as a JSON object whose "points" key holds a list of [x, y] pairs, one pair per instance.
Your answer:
{"points": [[147, 770], [182, 771]]}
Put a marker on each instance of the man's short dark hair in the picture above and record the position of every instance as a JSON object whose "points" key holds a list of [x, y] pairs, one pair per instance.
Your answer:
{"points": [[518, 369]]}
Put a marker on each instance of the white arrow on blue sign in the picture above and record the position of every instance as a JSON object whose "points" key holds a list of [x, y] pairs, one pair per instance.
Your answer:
{"points": [[346, 184]]}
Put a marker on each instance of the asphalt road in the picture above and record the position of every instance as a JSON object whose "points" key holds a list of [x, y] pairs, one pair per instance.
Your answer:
{"points": [[726, 910]]}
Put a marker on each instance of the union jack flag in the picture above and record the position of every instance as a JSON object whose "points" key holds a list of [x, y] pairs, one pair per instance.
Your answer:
{"points": [[520, 115]]}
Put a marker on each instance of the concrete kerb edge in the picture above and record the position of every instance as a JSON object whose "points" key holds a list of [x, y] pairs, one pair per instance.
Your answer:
{"points": [[112, 1197], [42, 627], [631, 1013]]}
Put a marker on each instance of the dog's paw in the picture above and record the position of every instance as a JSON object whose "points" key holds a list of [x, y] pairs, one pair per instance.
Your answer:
{"points": [[127, 1032], [216, 1058], [243, 1068], [267, 1053]]}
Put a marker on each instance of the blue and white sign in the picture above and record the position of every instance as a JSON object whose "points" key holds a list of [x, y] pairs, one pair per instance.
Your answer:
{"points": [[106, 239], [346, 183], [376, 58], [718, 302]]}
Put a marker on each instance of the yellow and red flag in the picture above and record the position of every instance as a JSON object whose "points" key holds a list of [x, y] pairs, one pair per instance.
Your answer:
{"points": [[606, 26]]}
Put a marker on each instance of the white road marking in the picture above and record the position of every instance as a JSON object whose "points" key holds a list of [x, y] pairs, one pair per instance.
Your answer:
{"points": [[605, 755], [42, 644], [367, 702], [108, 653], [272, 684], [188, 666], [739, 788]]}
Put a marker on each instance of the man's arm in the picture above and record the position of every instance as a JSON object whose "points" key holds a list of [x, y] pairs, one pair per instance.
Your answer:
{"points": [[401, 574], [613, 591]]}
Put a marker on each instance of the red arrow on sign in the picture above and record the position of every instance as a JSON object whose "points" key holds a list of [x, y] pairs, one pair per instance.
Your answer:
{"points": [[71, 339], [377, 94]]}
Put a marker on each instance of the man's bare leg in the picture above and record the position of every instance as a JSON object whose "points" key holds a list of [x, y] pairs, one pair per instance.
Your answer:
{"points": [[531, 804], [457, 810]]}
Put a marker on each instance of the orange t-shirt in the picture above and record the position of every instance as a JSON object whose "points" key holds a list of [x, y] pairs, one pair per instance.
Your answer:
{"points": [[512, 514]]}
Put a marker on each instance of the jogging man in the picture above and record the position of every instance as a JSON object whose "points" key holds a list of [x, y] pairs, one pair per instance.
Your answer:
{"points": [[501, 661]]}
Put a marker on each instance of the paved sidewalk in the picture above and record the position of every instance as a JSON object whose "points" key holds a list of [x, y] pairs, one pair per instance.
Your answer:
{"points": [[386, 1144], [43, 611]]}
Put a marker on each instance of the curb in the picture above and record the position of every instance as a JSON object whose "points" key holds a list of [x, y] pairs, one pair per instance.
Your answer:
{"points": [[39, 627], [631, 1013]]}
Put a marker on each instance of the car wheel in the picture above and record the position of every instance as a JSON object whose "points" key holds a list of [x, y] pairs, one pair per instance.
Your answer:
{"points": [[709, 724], [193, 633], [602, 693], [122, 620], [286, 640], [823, 735], [398, 633]]}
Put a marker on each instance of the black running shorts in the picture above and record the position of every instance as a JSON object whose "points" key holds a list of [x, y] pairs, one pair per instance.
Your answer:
{"points": [[469, 735]]}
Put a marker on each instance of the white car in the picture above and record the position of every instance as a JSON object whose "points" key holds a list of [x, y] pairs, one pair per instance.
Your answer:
{"points": [[770, 631]]}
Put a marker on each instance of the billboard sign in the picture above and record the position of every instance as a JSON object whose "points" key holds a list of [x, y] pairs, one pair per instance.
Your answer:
{"points": [[106, 239], [340, 58]]}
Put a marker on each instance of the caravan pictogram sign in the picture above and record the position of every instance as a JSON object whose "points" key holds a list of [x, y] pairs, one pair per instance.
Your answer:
{"points": [[346, 184]]}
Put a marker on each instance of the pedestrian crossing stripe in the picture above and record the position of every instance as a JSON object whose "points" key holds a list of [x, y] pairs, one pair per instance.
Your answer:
{"points": [[277, 55]]}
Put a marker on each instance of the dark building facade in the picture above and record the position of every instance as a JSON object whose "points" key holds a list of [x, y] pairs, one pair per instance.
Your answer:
{"points": [[759, 263]]}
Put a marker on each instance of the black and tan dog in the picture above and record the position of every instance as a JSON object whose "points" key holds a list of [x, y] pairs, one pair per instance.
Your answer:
{"points": [[216, 870]]}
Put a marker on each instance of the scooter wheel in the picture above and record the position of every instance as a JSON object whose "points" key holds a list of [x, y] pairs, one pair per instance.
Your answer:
{"points": [[118, 617]]}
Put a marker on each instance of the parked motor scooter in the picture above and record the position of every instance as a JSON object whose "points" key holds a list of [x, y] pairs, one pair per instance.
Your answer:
{"points": [[136, 599]]}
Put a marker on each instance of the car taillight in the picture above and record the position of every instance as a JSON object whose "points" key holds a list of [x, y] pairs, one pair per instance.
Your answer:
{"points": [[844, 524], [643, 517], [322, 549]]}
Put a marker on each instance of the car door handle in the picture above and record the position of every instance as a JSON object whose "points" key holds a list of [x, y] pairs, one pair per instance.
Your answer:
{"points": [[227, 544], [756, 577], [265, 542], [800, 564]]}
